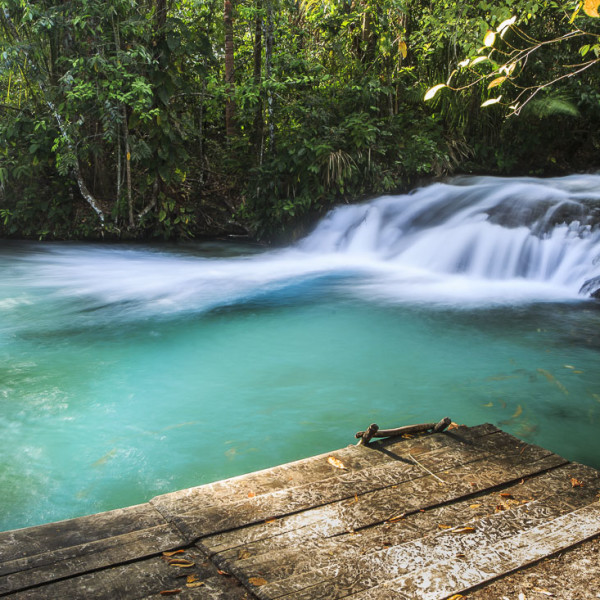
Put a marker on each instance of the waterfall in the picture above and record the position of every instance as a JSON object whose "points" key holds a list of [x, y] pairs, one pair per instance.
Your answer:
{"points": [[485, 228]]}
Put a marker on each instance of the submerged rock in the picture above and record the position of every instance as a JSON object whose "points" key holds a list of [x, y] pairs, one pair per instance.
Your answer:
{"points": [[591, 287]]}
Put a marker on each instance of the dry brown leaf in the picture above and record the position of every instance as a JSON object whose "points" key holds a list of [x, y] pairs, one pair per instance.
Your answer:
{"points": [[173, 552], [270, 520], [251, 494], [456, 597], [444, 526], [257, 581], [171, 592], [244, 554], [396, 518], [335, 462], [505, 495], [194, 584], [453, 425], [576, 482], [191, 578], [465, 530], [182, 563]]}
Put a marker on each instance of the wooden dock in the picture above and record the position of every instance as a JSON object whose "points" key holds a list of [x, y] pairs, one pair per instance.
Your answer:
{"points": [[472, 512]]}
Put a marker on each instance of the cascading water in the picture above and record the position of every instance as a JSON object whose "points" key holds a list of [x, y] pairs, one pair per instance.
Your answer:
{"points": [[128, 371]]}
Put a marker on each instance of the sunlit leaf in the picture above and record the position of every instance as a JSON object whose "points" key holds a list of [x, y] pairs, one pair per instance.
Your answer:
{"points": [[450, 77], [489, 38], [402, 48], [431, 92], [257, 581], [440, 526], [464, 63], [505, 25], [474, 506], [590, 8], [335, 462], [396, 518], [576, 482], [478, 59]]}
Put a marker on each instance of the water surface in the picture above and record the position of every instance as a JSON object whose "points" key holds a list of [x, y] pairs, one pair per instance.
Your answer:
{"points": [[130, 371]]}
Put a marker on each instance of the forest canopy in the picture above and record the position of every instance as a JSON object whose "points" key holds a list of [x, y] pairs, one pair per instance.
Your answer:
{"points": [[177, 118]]}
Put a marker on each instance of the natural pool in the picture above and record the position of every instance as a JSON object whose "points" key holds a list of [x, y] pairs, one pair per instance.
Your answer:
{"points": [[130, 371]]}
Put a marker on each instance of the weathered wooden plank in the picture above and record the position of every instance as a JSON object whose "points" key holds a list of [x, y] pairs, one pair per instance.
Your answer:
{"points": [[480, 565], [278, 559], [73, 560], [349, 572], [410, 489], [314, 469], [200, 520], [43, 539], [143, 579], [569, 575]]}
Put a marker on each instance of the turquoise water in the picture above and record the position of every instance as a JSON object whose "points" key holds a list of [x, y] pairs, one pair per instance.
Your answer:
{"points": [[128, 372]]}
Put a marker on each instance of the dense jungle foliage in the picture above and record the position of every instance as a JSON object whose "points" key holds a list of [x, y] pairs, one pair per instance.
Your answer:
{"points": [[179, 118]]}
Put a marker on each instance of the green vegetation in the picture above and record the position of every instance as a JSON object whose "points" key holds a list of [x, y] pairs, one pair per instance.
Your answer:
{"points": [[176, 118]]}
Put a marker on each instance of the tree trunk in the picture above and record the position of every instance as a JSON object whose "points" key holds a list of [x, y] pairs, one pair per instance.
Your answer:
{"points": [[229, 69], [269, 71], [257, 76]]}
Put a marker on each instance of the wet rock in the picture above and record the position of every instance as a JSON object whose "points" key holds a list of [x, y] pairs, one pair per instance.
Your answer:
{"points": [[591, 288]]}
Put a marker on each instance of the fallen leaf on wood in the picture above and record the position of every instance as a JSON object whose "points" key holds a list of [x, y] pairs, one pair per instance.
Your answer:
{"points": [[191, 578], [244, 554], [505, 495], [444, 526], [500, 507], [251, 494], [173, 552], [576, 482], [182, 563], [456, 597], [396, 518], [270, 520], [464, 530], [224, 573], [453, 426], [541, 591], [170, 592], [194, 584], [336, 462], [257, 581], [474, 505]]}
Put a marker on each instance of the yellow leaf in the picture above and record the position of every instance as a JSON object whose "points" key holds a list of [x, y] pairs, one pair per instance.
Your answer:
{"points": [[517, 412], [194, 584], [576, 482], [590, 8], [431, 92], [182, 563], [474, 505], [257, 581], [402, 48], [491, 101], [191, 578], [396, 518], [456, 597], [335, 462], [496, 82], [128, 156], [444, 526], [251, 494], [489, 38], [173, 552]]}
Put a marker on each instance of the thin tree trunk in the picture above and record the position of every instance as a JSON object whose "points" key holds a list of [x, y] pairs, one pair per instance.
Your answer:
{"points": [[229, 69], [259, 123], [269, 71], [128, 168]]}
